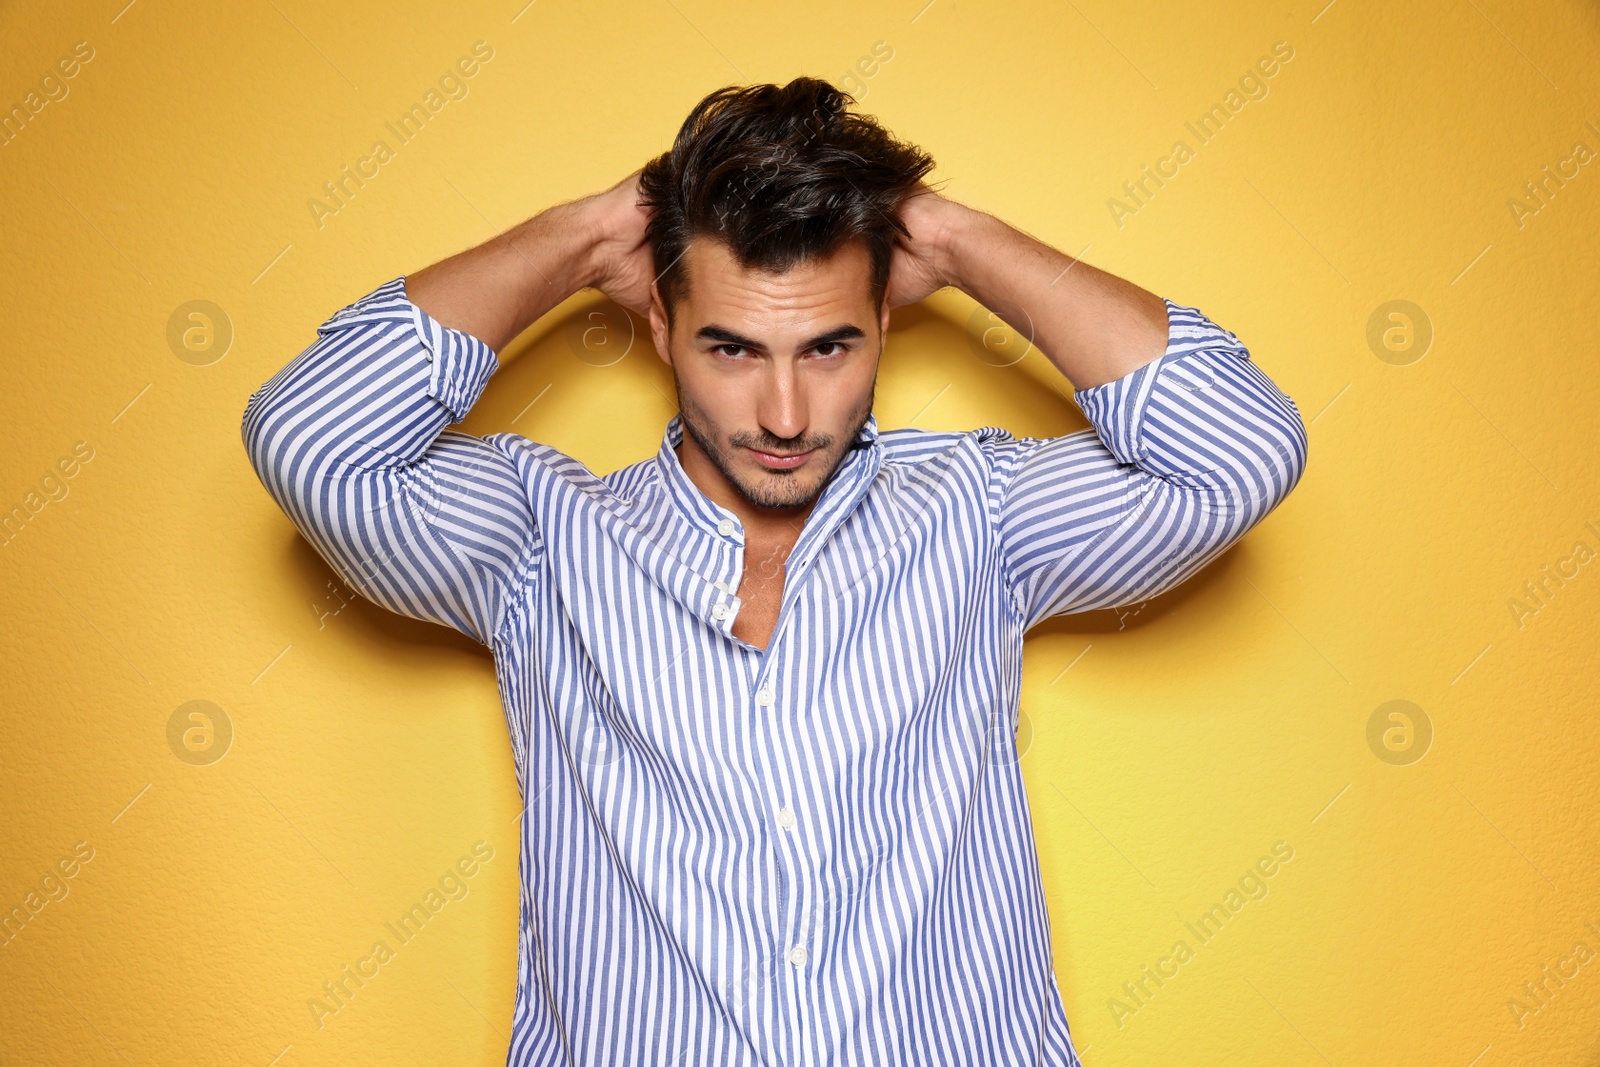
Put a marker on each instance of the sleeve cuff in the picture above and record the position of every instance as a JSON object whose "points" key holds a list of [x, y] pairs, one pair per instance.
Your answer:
{"points": [[1116, 409], [460, 364]]}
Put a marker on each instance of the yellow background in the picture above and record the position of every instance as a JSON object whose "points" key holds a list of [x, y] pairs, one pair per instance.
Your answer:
{"points": [[1167, 748]]}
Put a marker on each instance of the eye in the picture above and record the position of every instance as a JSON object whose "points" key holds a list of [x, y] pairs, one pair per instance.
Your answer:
{"points": [[736, 349], [838, 349]]}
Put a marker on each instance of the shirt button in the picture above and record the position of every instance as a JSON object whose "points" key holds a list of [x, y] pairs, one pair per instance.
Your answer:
{"points": [[764, 697], [725, 527], [786, 818], [719, 612], [797, 955]]}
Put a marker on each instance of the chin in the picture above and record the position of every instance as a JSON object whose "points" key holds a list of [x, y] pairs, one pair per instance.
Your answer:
{"points": [[781, 489]]}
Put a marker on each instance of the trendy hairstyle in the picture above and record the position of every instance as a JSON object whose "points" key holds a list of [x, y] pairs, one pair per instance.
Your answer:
{"points": [[781, 176]]}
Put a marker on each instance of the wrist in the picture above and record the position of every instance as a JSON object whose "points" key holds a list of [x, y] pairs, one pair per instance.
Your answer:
{"points": [[589, 229], [612, 225], [561, 248], [955, 236]]}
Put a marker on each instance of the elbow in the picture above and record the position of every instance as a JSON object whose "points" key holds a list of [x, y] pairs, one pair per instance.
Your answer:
{"points": [[1249, 468], [267, 433], [1283, 431], [1265, 469], [254, 432], [1269, 462], [1224, 435], [248, 426], [1292, 446], [250, 430]]}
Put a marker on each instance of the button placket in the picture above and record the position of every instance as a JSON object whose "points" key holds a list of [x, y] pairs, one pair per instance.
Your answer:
{"points": [[791, 859], [728, 602]]}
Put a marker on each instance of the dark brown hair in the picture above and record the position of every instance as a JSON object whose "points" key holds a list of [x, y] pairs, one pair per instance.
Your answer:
{"points": [[781, 175]]}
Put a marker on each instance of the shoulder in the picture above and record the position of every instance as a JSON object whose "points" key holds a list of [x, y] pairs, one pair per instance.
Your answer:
{"points": [[910, 446], [975, 463], [988, 451], [544, 463]]}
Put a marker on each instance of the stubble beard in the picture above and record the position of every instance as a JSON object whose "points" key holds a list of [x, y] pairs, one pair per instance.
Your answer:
{"points": [[773, 489]]}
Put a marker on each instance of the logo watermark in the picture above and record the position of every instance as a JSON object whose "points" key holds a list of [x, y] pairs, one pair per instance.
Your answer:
{"points": [[1399, 733], [452, 85], [1399, 332], [1253, 85], [451, 886], [1551, 180], [1537, 592], [1141, 989]]}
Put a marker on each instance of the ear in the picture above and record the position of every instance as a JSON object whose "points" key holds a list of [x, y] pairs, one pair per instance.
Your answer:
{"points": [[658, 325], [883, 323]]}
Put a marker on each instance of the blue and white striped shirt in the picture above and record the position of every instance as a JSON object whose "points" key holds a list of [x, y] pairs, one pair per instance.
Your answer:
{"points": [[816, 853]]}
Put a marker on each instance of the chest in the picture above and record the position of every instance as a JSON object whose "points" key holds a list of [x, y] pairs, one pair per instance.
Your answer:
{"points": [[761, 590]]}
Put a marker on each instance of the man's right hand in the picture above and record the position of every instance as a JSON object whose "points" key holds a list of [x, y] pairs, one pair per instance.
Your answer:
{"points": [[624, 266]]}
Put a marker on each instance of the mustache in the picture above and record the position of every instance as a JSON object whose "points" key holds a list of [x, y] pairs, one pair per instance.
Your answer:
{"points": [[780, 448]]}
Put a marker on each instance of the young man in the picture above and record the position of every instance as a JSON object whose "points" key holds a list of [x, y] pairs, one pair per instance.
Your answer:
{"points": [[762, 687]]}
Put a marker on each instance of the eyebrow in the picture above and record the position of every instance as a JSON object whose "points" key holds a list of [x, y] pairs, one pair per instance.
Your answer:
{"points": [[723, 335]]}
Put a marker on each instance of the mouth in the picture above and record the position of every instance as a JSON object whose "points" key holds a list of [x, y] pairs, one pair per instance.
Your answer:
{"points": [[777, 461]]}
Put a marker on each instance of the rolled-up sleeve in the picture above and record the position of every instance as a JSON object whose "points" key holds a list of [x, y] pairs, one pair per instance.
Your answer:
{"points": [[349, 439], [1185, 455]]}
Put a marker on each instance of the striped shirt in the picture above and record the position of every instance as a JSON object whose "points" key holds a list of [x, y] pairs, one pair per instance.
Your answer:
{"points": [[816, 853]]}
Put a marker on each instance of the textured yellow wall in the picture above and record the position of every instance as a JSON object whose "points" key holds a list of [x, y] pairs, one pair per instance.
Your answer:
{"points": [[187, 894]]}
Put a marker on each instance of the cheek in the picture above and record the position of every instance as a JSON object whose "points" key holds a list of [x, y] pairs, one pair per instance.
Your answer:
{"points": [[840, 400], [723, 404], [847, 388]]}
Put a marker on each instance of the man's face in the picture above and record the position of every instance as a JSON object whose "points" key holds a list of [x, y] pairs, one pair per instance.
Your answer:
{"points": [[771, 365]]}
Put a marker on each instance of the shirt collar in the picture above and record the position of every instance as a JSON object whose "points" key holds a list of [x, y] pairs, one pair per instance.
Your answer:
{"points": [[706, 513]]}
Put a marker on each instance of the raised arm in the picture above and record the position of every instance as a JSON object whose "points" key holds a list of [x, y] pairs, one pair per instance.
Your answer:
{"points": [[349, 438], [503, 286], [1192, 444], [1094, 326]]}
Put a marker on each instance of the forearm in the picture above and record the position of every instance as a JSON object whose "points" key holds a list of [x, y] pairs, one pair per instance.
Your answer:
{"points": [[1094, 326], [501, 287]]}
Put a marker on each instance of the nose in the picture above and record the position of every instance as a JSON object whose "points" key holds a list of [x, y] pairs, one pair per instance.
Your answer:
{"points": [[783, 411]]}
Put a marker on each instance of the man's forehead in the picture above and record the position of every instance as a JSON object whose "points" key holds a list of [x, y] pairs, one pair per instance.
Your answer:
{"points": [[719, 285]]}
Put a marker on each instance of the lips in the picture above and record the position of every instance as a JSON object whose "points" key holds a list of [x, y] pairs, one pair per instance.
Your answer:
{"points": [[781, 461]]}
